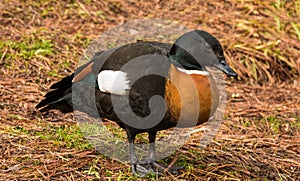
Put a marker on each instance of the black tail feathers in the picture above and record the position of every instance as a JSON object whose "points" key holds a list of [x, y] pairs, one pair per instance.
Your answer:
{"points": [[60, 98], [63, 83], [61, 95]]}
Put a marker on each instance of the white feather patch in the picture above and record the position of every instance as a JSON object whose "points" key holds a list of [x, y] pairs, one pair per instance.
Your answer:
{"points": [[199, 72], [114, 82]]}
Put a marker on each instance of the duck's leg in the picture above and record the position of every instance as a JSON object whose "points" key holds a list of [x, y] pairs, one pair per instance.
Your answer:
{"points": [[151, 159], [152, 153], [137, 169]]}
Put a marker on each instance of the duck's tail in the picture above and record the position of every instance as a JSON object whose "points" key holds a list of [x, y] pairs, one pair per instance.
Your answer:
{"points": [[59, 98]]}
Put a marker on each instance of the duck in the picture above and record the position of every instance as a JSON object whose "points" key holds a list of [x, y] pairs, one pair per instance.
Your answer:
{"points": [[145, 87]]}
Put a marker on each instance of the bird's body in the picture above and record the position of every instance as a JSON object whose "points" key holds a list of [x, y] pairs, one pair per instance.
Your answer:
{"points": [[119, 85]]}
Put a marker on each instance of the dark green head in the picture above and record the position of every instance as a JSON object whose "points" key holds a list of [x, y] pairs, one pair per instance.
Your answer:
{"points": [[197, 49]]}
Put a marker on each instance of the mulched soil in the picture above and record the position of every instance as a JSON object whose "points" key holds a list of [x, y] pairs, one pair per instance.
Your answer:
{"points": [[259, 138]]}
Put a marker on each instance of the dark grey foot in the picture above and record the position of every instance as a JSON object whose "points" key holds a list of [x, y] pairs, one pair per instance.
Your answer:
{"points": [[160, 168], [140, 170]]}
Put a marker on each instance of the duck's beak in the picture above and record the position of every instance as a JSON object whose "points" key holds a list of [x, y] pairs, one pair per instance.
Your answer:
{"points": [[227, 70]]}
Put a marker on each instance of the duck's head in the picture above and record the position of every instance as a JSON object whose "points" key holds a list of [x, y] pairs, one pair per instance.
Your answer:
{"points": [[198, 49]]}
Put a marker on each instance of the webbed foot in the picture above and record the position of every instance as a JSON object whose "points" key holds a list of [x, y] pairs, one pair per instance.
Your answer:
{"points": [[160, 168], [140, 170]]}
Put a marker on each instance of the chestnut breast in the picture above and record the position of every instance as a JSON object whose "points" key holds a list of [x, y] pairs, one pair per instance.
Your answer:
{"points": [[189, 98]]}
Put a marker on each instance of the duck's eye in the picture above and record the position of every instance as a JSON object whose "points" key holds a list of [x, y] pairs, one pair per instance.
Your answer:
{"points": [[223, 63]]}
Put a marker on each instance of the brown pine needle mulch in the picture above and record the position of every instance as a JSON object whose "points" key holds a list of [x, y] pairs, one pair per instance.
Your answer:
{"points": [[259, 139]]}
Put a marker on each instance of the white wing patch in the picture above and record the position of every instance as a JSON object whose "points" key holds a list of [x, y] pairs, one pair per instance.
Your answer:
{"points": [[199, 72], [114, 82]]}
